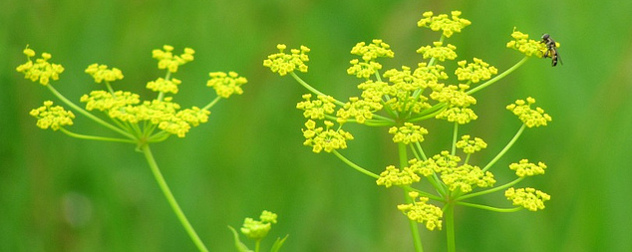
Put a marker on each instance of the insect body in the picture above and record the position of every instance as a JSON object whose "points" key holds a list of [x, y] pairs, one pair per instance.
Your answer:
{"points": [[551, 49]]}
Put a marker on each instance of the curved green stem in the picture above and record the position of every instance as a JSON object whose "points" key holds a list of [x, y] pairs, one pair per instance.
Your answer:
{"points": [[498, 77], [172, 200], [355, 166], [312, 89], [504, 150], [212, 103], [97, 138], [495, 189], [88, 114], [414, 228], [495, 209], [455, 134]]}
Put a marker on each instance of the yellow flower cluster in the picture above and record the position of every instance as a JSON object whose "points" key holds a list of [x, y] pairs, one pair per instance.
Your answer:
{"points": [[164, 86], [409, 133], [360, 110], [101, 73], [475, 72], [530, 117], [377, 49], [316, 109], [393, 176], [226, 85], [258, 229], [469, 145], [525, 169], [527, 46], [363, 69], [438, 51], [466, 176], [441, 22], [41, 70], [458, 102], [529, 198], [103, 100], [166, 59], [422, 212], [283, 63], [54, 117], [326, 139]]}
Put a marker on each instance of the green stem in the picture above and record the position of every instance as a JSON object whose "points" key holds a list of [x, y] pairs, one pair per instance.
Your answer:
{"points": [[504, 150], [495, 189], [498, 77], [495, 209], [97, 138], [355, 166], [455, 133], [448, 216], [414, 228], [208, 106], [312, 89], [172, 200], [88, 114]]}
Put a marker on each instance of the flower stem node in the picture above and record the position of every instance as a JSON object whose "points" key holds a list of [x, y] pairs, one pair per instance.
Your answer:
{"points": [[529, 198], [421, 211], [41, 70], [283, 63], [530, 117], [54, 117]]}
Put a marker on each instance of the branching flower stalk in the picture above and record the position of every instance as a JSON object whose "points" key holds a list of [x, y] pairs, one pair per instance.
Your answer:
{"points": [[398, 99], [131, 120]]}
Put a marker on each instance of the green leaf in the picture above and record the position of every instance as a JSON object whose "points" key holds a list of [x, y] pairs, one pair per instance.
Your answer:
{"points": [[278, 243], [238, 244]]}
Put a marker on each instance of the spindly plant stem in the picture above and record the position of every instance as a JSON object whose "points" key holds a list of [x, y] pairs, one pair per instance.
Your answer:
{"points": [[172, 200], [448, 215], [414, 228]]}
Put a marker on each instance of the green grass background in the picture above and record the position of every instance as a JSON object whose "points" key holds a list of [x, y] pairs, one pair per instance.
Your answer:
{"points": [[64, 194]]}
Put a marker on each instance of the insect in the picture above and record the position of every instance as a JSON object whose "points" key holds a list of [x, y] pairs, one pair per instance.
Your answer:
{"points": [[551, 49]]}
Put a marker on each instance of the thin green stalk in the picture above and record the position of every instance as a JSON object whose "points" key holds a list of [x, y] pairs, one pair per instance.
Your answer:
{"points": [[414, 228], [355, 166], [495, 209], [504, 150], [455, 134], [498, 77], [172, 200], [448, 216], [86, 113], [97, 138], [212, 103], [312, 89], [495, 189]]}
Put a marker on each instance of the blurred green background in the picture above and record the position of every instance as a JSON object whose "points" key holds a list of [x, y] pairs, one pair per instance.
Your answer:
{"points": [[62, 194]]}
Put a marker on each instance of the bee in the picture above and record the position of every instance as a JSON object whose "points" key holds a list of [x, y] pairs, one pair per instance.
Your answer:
{"points": [[551, 49]]}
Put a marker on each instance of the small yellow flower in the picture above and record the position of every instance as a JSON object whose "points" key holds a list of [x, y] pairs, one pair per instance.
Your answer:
{"points": [[465, 177], [377, 49], [326, 139], [409, 133], [226, 85], [316, 109], [393, 176], [166, 59], [103, 100], [529, 198], [530, 117], [441, 22], [363, 70], [164, 86], [475, 72], [422, 212], [101, 73], [458, 102], [283, 63], [438, 51], [54, 117], [41, 70], [469, 145], [360, 110], [523, 44], [524, 168]]}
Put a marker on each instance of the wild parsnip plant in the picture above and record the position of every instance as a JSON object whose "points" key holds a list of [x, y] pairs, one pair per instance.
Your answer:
{"points": [[132, 120], [399, 101]]}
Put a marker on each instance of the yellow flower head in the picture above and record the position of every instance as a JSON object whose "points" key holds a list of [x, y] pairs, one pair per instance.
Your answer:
{"points": [[438, 51], [475, 72], [530, 117], [41, 70], [409, 133], [258, 229], [524, 168], [166, 59], [316, 109], [226, 85], [283, 63], [393, 176], [164, 86], [441, 22], [458, 102], [465, 177], [101, 73], [527, 46], [529, 198], [363, 70], [377, 49], [359, 109], [326, 139], [54, 117], [103, 100], [423, 212], [469, 145]]}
